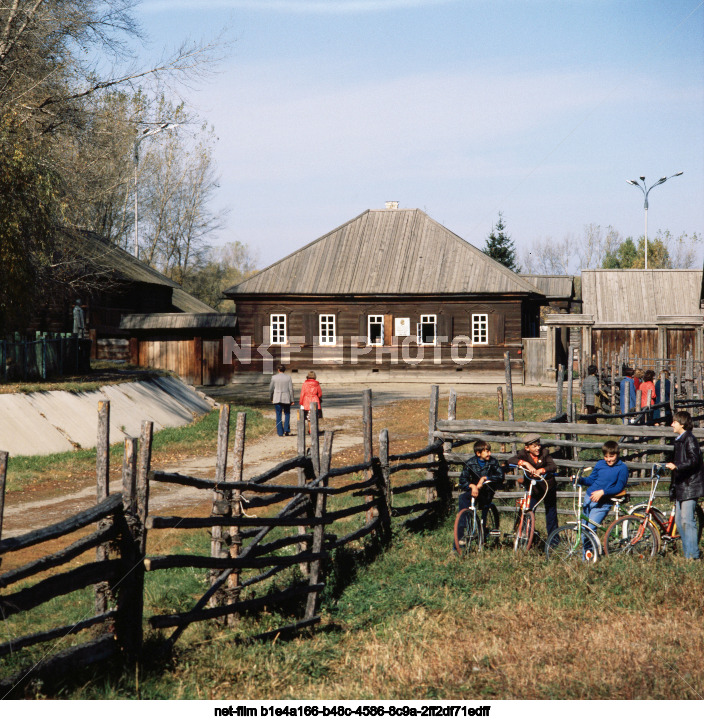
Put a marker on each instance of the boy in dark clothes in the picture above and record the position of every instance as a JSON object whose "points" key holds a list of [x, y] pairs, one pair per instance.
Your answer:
{"points": [[537, 461]]}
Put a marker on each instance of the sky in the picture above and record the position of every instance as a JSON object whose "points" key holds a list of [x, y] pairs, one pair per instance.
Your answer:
{"points": [[539, 109]]}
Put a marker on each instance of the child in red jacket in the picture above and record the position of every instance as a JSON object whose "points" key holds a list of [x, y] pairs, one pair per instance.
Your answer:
{"points": [[311, 392]]}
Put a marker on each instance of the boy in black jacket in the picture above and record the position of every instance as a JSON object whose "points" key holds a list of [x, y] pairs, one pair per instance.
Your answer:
{"points": [[480, 478]]}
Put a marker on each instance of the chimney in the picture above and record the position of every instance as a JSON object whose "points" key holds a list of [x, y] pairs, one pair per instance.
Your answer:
{"points": [[392, 205]]}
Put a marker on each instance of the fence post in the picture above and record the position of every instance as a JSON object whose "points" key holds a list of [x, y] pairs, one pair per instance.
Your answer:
{"points": [[500, 401], [220, 498], [128, 624], [3, 476], [384, 460], [613, 385], [140, 523], [102, 474], [302, 476], [570, 382], [431, 493], [690, 375], [314, 439], [319, 530], [558, 394], [44, 357], [367, 421], [509, 385], [233, 581]]}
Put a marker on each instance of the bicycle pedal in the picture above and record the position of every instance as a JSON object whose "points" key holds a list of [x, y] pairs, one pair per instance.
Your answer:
{"points": [[495, 534]]}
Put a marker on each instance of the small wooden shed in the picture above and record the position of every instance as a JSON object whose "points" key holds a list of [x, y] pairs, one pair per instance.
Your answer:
{"points": [[189, 344]]}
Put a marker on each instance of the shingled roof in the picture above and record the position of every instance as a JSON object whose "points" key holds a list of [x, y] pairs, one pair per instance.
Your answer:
{"points": [[383, 252], [636, 298]]}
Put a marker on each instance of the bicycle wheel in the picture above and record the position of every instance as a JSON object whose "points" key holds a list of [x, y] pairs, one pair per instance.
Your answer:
{"points": [[523, 532], [573, 543], [640, 508], [469, 537], [491, 529], [634, 535]]}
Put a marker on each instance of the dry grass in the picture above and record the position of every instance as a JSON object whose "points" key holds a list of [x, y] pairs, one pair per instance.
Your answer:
{"points": [[417, 623]]}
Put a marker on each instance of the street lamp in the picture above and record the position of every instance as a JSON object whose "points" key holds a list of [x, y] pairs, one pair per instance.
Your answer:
{"points": [[145, 134], [645, 190]]}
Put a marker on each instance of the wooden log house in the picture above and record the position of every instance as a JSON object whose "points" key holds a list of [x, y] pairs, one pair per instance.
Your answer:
{"points": [[390, 291]]}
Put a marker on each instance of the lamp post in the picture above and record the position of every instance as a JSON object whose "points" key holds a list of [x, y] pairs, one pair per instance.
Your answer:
{"points": [[145, 134], [645, 190]]}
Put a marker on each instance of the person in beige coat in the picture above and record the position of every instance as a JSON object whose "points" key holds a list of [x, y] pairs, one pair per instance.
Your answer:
{"points": [[281, 394]]}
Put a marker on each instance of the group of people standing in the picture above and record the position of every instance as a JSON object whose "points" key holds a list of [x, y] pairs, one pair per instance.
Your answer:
{"points": [[652, 392], [482, 475], [281, 395]]}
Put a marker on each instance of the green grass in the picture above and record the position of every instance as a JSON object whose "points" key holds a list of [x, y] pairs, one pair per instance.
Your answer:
{"points": [[198, 437], [415, 622]]}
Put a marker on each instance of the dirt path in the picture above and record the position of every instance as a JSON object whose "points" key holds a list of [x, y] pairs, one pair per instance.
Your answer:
{"points": [[343, 413]]}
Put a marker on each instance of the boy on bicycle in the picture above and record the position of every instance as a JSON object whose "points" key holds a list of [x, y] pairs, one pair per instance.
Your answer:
{"points": [[480, 477], [536, 459], [608, 478]]}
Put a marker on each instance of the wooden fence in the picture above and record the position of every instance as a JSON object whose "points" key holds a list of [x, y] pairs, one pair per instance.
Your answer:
{"points": [[313, 515], [47, 356], [114, 579], [243, 554]]}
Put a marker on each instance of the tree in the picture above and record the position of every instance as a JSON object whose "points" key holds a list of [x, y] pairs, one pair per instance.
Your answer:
{"points": [[29, 207], [500, 247], [549, 257], [629, 255], [222, 267], [69, 117], [596, 244]]}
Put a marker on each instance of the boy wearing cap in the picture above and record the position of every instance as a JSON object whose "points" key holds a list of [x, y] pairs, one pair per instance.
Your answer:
{"points": [[534, 457]]}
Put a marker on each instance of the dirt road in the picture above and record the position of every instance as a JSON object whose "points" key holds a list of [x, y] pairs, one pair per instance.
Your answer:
{"points": [[343, 413]]}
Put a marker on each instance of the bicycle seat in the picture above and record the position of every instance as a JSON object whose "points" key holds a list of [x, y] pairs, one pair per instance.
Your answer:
{"points": [[621, 496]]}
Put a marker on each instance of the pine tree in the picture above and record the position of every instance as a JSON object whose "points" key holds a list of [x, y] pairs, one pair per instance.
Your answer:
{"points": [[500, 247]]}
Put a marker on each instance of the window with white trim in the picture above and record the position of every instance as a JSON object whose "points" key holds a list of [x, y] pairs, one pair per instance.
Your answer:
{"points": [[375, 330], [326, 328], [480, 328], [427, 330], [278, 329]]}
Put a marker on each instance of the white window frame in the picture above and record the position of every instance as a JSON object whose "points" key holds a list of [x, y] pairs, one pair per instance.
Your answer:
{"points": [[327, 332], [278, 329], [375, 319], [426, 320], [480, 329]]}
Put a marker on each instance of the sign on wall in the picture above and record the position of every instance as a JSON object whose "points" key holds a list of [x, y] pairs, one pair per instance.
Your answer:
{"points": [[402, 327]]}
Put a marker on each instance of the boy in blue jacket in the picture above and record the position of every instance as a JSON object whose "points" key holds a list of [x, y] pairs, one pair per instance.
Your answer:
{"points": [[608, 478]]}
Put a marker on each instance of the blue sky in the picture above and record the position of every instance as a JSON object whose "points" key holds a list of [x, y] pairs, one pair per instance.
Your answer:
{"points": [[541, 109]]}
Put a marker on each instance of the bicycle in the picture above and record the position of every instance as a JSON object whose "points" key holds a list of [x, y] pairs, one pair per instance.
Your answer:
{"points": [[636, 534], [469, 533], [575, 539], [524, 523]]}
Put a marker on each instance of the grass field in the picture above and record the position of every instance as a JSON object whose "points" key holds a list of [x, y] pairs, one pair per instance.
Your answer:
{"points": [[415, 622]]}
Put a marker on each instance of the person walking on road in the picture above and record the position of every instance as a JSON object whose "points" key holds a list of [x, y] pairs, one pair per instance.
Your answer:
{"points": [[281, 394]]}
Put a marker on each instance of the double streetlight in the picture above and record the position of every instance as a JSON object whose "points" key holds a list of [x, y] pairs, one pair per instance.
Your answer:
{"points": [[645, 190], [144, 134]]}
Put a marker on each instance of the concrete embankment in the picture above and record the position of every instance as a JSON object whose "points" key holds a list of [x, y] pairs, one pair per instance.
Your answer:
{"points": [[54, 421]]}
